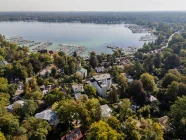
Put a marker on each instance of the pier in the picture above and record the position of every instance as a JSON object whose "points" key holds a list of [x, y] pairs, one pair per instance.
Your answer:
{"points": [[149, 38], [39, 46], [128, 50]]}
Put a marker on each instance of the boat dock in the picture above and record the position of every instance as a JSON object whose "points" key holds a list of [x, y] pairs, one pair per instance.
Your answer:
{"points": [[128, 50], [149, 38], [138, 29]]}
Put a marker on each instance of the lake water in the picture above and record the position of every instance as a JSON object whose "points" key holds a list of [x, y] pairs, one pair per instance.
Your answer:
{"points": [[93, 36]]}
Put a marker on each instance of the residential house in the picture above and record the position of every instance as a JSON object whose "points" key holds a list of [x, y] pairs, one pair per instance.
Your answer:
{"points": [[14, 80], [43, 90], [78, 95], [102, 83], [124, 60], [45, 71], [48, 87], [105, 111], [75, 134], [152, 98], [20, 89], [20, 86], [42, 87], [49, 116], [77, 88], [82, 72], [130, 79], [165, 123], [100, 69], [28, 79], [10, 107], [134, 108], [163, 120]]}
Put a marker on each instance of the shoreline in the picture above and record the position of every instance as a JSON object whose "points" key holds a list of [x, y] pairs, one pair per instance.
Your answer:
{"points": [[69, 49], [40, 46], [82, 48]]}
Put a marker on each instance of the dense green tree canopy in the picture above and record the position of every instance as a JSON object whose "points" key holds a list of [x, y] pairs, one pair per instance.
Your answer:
{"points": [[93, 60], [172, 75], [114, 94], [102, 131], [123, 83], [9, 123], [125, 111], [172, 61], [36, 129], [177, 116], [54, 96], [148, 82], [90, 90]]}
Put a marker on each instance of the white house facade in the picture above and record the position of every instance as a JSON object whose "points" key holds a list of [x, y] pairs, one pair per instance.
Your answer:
{"points": [[102, 83]]}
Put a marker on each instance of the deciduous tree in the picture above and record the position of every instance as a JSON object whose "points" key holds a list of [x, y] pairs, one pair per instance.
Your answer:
{"points": [[177, 116], [90, 90], [148, 82], [125, 110], [93, 60], [102, 131]]}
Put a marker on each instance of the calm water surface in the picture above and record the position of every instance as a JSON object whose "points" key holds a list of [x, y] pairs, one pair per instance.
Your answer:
{"points": [[92, 36]]}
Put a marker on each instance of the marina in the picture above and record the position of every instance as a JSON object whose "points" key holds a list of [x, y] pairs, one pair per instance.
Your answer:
{"points": [[142, 29], [39, 46], [19, 40], [124, 50], [149, 38], [138, 29]]}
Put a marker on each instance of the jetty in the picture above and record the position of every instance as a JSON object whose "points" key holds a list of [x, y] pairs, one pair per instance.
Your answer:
{"points": [[126, 50]]}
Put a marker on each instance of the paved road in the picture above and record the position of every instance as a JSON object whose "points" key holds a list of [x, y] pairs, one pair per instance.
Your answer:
{"points": [[157, 50], [170, 38]]}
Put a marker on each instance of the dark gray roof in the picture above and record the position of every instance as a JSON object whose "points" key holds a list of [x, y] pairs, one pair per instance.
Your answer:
{"points": [[48, 115]]}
